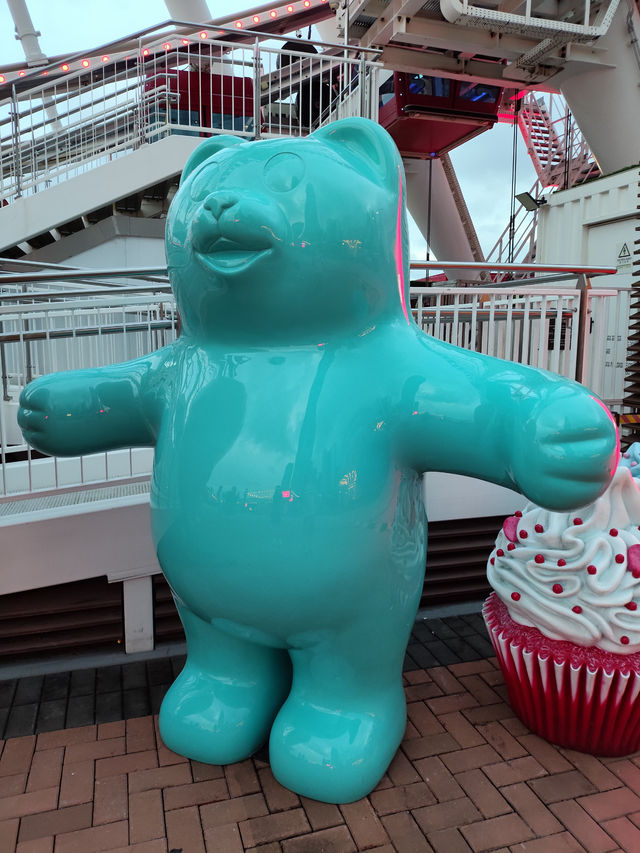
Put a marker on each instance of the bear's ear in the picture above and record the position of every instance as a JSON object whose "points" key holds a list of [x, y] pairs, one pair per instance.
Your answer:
{"points": [[366, 144], [207, 149]]}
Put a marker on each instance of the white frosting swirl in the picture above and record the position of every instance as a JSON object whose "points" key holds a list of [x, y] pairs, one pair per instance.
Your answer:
{"points": [[575, 576], [631, 458]]}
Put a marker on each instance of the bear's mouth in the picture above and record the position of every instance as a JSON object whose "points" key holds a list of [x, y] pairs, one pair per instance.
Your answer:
{"points": [[224, 255]]}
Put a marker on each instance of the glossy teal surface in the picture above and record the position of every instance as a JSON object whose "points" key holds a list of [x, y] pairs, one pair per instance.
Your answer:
{"points": [[291, 422]]}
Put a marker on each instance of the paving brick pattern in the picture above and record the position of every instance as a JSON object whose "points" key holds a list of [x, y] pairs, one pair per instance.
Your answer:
{"points": [[43, 703], [469, 776]]}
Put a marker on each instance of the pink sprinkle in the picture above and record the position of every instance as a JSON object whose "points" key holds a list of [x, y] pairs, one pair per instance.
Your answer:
{"points": [[562, 562], [492, 561], [592, 570], [515, 596], [539, 558], [557, 588], [511, 547], [510, 528], [518, 513], [633, 558], [577, 521], [539, 528], [626, 455], [624, 640], [576, 608], [523, 534], [499, 553], [619, 558], [613, 532], [633, 464], [631, 605]]}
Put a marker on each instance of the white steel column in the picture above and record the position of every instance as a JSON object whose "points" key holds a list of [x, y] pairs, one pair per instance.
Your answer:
{"points": [[137, 596], [26, 33], [188, 10], [606, 101]]}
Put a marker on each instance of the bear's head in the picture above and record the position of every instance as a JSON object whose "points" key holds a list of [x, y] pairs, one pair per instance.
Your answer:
{"points": [[291, 239]]}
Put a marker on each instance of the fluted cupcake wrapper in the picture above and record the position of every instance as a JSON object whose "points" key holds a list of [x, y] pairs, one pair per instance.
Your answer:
{"points": [[582, 707]]}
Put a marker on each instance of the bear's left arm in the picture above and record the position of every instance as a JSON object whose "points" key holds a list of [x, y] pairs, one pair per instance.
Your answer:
{"points": [[540, 434], [95, 409]]}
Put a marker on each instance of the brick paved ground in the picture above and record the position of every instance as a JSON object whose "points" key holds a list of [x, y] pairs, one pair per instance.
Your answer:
{"points": [[469, 777], [42, 703]]}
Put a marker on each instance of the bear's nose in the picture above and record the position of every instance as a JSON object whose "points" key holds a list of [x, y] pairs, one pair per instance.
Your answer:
{"points": [[217, 203]]}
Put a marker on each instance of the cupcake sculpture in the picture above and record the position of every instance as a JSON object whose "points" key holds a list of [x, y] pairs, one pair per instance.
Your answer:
{"points": [[565, 619]]}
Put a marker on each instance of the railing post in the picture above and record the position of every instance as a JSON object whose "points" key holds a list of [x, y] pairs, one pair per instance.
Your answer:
{"points": [[584, 286], [5, 376], [363, 87], [15, 133], [139, 120], [257, 90]]}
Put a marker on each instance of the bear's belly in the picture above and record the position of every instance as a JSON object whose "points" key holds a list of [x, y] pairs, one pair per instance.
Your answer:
{"points": [[276, 558]]}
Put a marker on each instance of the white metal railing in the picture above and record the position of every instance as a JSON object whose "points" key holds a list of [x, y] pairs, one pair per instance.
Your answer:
{"points": [[42, 333], [533, 325], [529, 325], [552, 319], [541, 322], [56, 126], [517, 243]]}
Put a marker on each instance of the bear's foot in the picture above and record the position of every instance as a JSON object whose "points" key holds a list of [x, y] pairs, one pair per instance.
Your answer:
{"points": [[215, 720], [331, 752], [220, 708]]}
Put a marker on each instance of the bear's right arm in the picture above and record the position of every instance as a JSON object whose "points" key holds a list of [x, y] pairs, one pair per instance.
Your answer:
{"points": [[532, 431], [96, 409]]}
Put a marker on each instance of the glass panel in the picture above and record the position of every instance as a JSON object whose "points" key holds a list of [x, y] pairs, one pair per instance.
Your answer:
{"points": [[386, 92], [421, 84], [479, 92]]}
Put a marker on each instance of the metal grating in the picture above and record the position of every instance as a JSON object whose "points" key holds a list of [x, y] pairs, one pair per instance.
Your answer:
{"points": [[73, 498]]}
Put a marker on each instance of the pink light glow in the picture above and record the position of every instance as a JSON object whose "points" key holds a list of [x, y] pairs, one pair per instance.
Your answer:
{"points": [[286, 494], [398, 250], [615, 426]]}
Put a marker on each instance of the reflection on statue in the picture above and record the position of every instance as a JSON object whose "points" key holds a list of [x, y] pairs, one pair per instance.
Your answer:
{"points": [[292, 420]]}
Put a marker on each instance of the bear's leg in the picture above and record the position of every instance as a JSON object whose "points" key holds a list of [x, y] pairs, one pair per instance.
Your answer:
{"points": [[346, 714], [220, 708]]}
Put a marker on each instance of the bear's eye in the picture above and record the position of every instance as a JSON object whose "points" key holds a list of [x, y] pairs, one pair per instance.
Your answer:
{"points": [[204, 181], [283, 172]]}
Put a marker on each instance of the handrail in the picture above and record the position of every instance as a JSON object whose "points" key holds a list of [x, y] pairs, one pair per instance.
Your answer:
{"points": [[576, 269], [64, 294], [130, 40], [63, 275]]}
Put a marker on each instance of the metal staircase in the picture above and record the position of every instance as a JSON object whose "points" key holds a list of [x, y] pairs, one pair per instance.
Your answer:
{"points": [[561, 158], [558, 150]]}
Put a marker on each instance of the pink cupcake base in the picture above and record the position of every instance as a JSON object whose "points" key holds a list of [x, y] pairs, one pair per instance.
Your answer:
{"points": [[581, 698]]}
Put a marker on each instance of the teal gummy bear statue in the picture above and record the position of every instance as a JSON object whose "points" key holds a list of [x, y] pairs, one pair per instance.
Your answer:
{"points": [[291, 422]]}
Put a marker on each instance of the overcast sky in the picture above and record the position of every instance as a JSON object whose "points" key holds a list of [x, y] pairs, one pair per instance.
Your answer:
{"points": [[483, 165]]}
